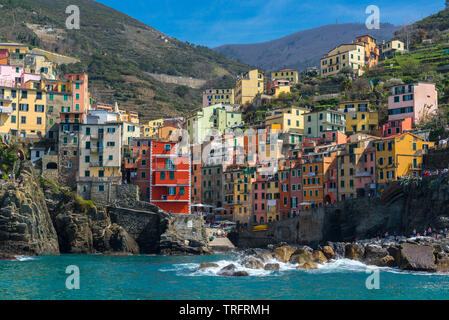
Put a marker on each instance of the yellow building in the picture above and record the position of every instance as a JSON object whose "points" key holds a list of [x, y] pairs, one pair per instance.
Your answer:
{"points": [[359, 117], [388, 49], [243, 195], [344, 56], [151, 128], [17, 48], [399, 156], [313, 181], [22, 111], [273, 197], [216, 96], [39, 64], [285, 74], [248, 86], [288, 118]]}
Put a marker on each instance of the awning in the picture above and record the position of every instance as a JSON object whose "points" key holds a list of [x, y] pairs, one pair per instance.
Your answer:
{"points": [[305, 204]]}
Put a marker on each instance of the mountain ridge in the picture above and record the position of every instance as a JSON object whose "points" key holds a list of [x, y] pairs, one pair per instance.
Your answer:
{"points": [[301, 49]]}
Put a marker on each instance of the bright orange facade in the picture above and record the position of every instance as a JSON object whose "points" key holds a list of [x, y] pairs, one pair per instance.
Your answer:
{"points": [[137, 166]]}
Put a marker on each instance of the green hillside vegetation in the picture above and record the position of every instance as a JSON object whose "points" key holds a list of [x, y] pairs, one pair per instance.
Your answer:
{"points": [[117, 51]]}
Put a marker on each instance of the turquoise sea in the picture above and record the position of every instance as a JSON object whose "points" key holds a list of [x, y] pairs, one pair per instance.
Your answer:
{"points": [[177, 277]]}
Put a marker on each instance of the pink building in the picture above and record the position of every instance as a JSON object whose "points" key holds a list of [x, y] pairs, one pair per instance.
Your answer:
{"points": [[260, 199], [80, 92], [418, 101], [396, 127], [14, 76]]}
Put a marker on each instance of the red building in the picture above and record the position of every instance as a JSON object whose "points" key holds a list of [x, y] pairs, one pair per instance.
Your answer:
{"points": [[396, 127], [284, 190], [170, 177], [137, 166], [260, 199]]}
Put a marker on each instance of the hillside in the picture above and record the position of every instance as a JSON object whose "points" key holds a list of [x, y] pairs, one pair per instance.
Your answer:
{"points": [[301, 49], [118, 52]]}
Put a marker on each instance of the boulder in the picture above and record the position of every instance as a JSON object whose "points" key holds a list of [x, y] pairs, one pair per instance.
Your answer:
{"points": [[443, 264], [328, 252], [319, 257], [240, 274], [206, 265], [354, 251], [374, 254], [227, 271], [387, 261], [8, 257], [302, 256], [417, 258], [271, 266], [284, 253], [307, 266], [338, 248], [252, 263]]}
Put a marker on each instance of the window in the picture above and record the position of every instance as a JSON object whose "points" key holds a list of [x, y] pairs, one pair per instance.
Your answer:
{"points": [[172, 175], [101, 188], [167, 147], [181, 191], [87, 159], [111, 157], [23, 120], [38, 120], [171, 191], [162, 177], [101, 173]]}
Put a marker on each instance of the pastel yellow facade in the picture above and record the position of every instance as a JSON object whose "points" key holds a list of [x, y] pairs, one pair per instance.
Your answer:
{"points": [[359, 117], [344, 56], [243, 197], [286, 74], [15, 48], [22, 111], [281, 89], [248, 86], [151, 128], [400, 156], [273, 197], [288, 118]]}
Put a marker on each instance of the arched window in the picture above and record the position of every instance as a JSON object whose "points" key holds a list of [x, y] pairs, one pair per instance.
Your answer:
{"points": [[52, 165]]}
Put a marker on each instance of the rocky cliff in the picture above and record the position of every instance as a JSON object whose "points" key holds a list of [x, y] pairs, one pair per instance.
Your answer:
{"points": [[38, 216], [25, 224]]}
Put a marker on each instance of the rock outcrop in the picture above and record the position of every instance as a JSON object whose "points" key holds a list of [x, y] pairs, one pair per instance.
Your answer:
{"points": [[38, 216], [25, 224], [417, 257]]}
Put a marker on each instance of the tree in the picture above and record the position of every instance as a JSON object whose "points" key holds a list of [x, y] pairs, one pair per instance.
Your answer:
{"points": [[447, 4]]}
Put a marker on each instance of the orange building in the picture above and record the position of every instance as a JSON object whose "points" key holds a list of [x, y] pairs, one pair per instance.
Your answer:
{"points": [[4, 57], [371, 50], [169, 177]]}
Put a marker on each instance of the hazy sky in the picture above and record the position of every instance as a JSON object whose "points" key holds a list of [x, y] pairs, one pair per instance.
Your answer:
{"points": [[216, 22]]}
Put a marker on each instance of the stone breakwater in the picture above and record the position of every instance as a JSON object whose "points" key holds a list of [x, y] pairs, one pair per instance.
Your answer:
{"points": [[413, 254], [38, 217]]}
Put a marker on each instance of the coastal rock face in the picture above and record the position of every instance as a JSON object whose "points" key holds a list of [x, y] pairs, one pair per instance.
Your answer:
{"points": [[354, 251], [417, 257], [319, 257], [284, 253], [272, 266], [252, 263], [328, 252], [25, 224], [302, 256], [74, 233], [374, 255], [208, 265]]}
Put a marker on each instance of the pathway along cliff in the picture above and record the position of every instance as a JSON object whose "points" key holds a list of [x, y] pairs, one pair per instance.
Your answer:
{"points": [[38, 217]]}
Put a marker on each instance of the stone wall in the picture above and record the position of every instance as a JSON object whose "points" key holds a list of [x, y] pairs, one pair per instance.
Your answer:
{"points": [[112, 192], [50, 173], [436, 159]]}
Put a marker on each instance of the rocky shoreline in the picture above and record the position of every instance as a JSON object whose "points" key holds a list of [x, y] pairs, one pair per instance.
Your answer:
{"points": [[39, 217], [412, 254]]}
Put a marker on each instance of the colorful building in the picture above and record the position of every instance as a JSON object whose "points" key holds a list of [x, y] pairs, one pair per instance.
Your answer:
{"points": [[100, 159], [319, 122], [260, 199], [286, 74], [248, 86], [360, 118], [371, 50], [212, 121], [388, 49], [273, 197], [418, 101], [345, 56], [396, 127], [170, 177], [218, 96], [399, 156], [137, 166], [276, 87]]}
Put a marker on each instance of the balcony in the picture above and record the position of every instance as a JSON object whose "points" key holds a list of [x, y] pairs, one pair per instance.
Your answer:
{"points": [[99, 136], [7, 110], [96, 150], [5, 98], [96, 164]]}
